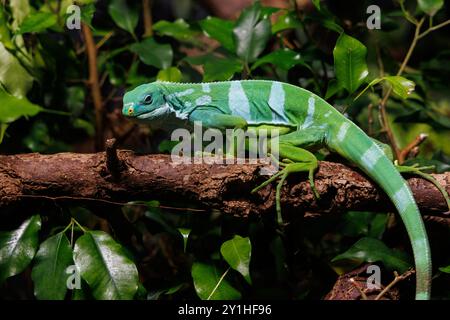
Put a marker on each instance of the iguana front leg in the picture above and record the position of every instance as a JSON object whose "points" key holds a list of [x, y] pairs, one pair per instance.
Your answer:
{"points": [[217, 120]]}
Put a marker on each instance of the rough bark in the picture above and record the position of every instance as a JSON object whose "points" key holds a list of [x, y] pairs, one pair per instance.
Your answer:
{"points": [[125, 176]]}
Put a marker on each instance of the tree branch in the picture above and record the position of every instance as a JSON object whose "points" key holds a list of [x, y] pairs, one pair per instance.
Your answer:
{"points": [[95, 87], [147, 17], [28, 179]]}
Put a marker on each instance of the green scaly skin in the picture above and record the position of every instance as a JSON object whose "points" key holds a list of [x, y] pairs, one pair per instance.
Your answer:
{"points": [[304, 120]]}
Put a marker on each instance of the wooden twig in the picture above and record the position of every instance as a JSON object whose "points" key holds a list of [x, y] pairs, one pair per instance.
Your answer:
{"points": [[396, 280], [95, 87], [147, 17], [411, 147], [417, 36], [104, 39], [383, 102], [434, 28]]}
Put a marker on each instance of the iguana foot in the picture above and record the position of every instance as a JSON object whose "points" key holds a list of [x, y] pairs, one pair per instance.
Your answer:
{"points": [[289, 166], [415, 169]]}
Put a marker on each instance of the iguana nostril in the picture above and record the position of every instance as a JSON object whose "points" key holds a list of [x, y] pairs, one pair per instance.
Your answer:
{"points": [[130, 111]]}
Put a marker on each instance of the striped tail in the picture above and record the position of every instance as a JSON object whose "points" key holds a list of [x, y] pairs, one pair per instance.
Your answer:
{"points": [[353, 144]]}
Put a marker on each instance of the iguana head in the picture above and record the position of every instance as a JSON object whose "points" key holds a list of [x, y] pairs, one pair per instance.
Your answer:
{"points": [[146, 102]]}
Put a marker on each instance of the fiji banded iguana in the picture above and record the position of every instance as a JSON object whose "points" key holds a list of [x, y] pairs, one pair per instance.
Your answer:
{"points": [[302, 119]]}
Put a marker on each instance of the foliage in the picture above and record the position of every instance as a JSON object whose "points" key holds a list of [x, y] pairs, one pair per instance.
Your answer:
{"points": [[47, 105]]}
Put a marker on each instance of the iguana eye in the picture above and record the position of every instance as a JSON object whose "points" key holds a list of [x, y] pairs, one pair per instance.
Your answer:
{"points": [[148, 99]]}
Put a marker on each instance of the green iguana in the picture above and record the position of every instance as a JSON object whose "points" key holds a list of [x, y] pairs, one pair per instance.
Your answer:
{"points": [[302, 119]]}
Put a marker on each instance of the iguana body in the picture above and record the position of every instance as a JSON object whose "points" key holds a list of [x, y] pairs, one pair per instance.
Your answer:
{"points": [[305, 121]]}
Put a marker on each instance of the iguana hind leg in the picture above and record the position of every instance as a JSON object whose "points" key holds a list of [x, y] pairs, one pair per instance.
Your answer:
{"points": [[415, 169], [294, 159]]}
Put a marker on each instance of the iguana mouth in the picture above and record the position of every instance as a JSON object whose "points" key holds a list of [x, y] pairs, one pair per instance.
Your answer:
{"points": [[161, 111]]}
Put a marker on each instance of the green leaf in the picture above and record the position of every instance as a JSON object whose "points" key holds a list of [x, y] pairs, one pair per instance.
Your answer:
{"points": [[141, 293], [350, 62], [154, 54], [332, 25], [373, 250], [124, 16], [49, 271], [316, 3], [251, 33], [430, 7], [237, 252], [221, 30], [332, 89], [210, 283], [155, 214], [40, 140], [327, 21], [370, 85], [75, 100], [390, 21], [283, 58], [172, 74], [185, 234], [20, 10], [37, 22], [105, 266], [378, 225], [286, 21], [82, 293], [18, 247], [401, 86], [445, 269], [200, 59], [87, 13], [266, 12], [14, 77], [357, 223], [12, 108], [84, 125], [166, 146], [218, 69], [5, 36], [178, 29], [116, 73], [135, 78], [3, 127]]}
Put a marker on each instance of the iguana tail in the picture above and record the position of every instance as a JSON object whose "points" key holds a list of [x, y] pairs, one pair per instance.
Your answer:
{"points": [[352, 143]]}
